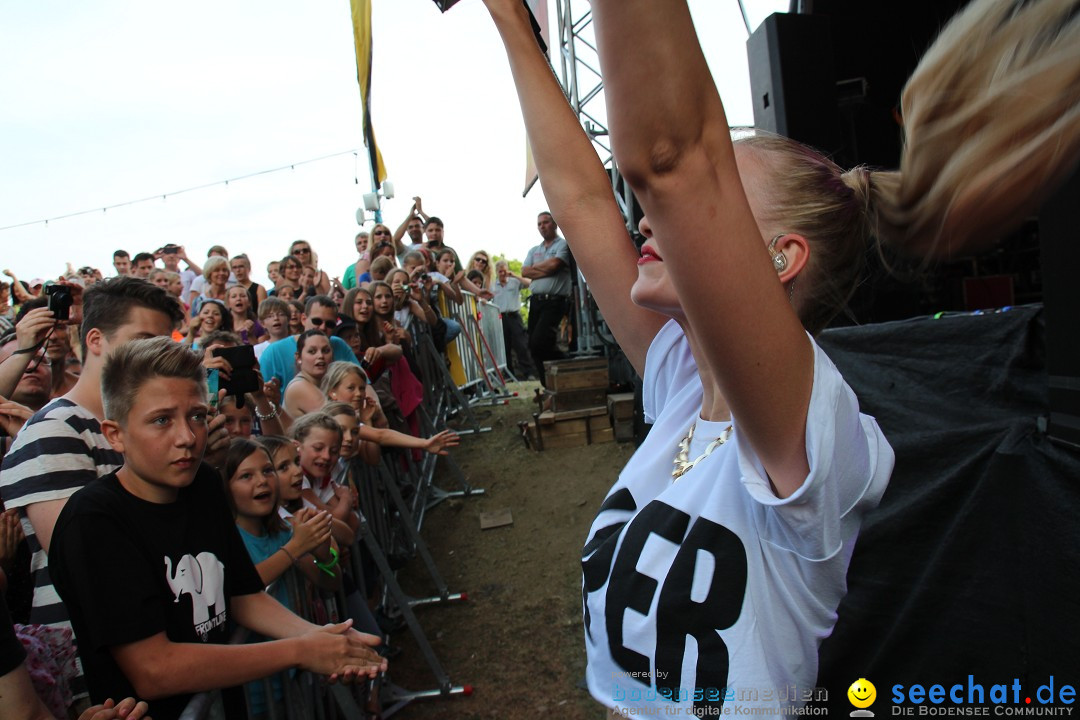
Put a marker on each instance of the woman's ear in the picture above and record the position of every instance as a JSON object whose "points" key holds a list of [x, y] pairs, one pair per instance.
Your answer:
{"points": [[790, 253]]}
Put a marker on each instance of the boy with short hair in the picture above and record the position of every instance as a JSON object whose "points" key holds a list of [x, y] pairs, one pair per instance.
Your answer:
{"points": [[274, 317], [161, 532], [62, 448]]}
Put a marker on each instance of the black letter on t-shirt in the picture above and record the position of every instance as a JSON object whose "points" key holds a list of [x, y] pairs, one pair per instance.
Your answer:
{"points": [[628, 588], [596, 557], [677, 615]]}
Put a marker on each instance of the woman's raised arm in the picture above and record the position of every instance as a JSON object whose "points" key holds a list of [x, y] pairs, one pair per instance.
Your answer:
{"points": [[577, 187], [671, 139]]}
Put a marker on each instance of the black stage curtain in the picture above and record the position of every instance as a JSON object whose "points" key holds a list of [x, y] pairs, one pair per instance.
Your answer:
{"points": [[971, 564]]}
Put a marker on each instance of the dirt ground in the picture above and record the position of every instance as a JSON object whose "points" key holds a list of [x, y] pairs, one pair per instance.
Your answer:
{"points": [[518, 639]]}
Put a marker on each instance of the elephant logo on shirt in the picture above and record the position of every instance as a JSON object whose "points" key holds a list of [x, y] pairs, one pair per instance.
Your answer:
{"points": [[203, 577]]}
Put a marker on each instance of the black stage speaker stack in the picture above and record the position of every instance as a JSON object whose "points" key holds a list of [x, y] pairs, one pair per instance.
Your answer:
{"points": [[792, 79]]}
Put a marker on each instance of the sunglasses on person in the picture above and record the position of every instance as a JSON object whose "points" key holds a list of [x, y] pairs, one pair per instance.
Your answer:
{"points": [[482, 260], [302, 251], [382, 232], [319, 322]]}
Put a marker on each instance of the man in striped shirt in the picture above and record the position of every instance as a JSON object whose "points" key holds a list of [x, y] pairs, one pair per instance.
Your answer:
{"points": [[61, 448]]}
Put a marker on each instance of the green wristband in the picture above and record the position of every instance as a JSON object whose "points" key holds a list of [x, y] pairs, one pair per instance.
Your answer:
{"points": [[327, 567]]}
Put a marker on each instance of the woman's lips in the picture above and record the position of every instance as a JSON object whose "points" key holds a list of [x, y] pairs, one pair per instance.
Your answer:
{"points": [[648, 255]]}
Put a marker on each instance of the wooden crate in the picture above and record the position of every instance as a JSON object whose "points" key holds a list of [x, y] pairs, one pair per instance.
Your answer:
{"points": [[579, 374], [620, 406], [576, 428], [621, 413], [570, 400]]}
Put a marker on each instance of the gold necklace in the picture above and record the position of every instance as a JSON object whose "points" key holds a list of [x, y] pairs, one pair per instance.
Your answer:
{"points": [[682, 463]]}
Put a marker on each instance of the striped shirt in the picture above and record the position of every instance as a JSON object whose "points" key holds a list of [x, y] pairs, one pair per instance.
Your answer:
{"points": [[59, 450]]}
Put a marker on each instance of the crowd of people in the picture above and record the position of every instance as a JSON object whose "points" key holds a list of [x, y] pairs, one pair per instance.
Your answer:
{"points": [[148, 414], [178, 438]]}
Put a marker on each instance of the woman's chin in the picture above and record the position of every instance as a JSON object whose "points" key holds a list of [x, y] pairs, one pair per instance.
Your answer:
{"points": [[658, 297]]}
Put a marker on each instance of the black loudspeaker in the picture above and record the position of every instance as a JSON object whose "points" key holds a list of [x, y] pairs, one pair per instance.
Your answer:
{"points": [[1058, 222], [792, 80]]}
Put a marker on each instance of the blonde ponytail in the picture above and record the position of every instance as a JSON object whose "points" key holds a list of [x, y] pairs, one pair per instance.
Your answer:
{"points": [[992, 126]]}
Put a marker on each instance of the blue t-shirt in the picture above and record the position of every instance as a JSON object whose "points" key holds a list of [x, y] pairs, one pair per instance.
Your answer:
{"points": [[261, 548], [279, 358]]}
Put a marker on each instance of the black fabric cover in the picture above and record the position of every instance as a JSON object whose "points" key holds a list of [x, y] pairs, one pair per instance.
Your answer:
{"points": [[971, 563]]}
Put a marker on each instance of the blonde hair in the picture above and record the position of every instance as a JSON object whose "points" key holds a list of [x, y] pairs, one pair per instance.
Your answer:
{"points": [[212, 264], [337, 372], [992, 126], [488, 272], [333, 409]]}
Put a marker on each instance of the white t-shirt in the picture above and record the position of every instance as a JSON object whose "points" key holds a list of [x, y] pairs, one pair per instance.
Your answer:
{"points": [[711, 589], [323, 489]]}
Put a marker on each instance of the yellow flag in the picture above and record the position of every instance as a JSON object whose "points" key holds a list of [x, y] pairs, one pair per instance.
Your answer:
{"points": [[361, 19]]}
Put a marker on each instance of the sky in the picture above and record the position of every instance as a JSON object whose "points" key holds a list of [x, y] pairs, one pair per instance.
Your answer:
{"points": [[117, 100]]}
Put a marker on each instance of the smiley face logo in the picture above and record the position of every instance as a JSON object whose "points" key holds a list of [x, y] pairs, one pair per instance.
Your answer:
{"points": [[862, 693]]}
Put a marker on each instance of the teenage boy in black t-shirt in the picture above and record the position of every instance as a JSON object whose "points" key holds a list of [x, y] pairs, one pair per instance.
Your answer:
{"points": [[150, 563]]}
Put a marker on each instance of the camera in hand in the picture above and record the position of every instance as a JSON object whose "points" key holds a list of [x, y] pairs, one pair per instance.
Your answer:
{"points": [[60, 301]]}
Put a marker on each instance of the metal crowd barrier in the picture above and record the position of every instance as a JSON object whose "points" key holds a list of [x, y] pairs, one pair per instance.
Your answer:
{"points": [[393, 499], [478, 360]]}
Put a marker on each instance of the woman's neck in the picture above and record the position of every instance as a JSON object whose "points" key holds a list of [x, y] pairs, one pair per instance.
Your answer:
{"points": [[313, 379], [713, 405], [250, 524]]}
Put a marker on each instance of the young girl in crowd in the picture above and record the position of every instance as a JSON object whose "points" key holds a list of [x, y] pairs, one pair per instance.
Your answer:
{"points": [[290, 482], [346, 383], [313, 357], [272, 272], [409, 301], [373, 351], [437, 283], [274, 544], [761, 501], [296, 316], [244, 322], [308, 277], [352, 447], [318, 440], [384, 303], [447, 280], [286, 291], [407, 391], [212, 316]]}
